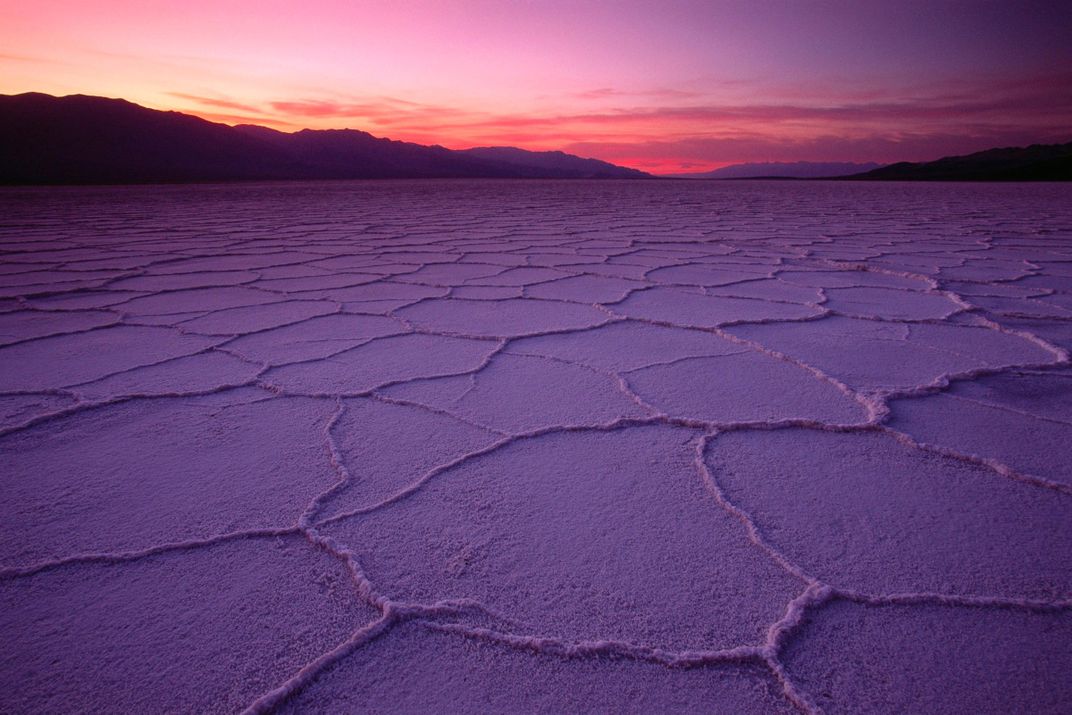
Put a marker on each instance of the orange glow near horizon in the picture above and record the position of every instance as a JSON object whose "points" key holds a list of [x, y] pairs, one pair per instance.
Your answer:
{"points": [[685, 86]]}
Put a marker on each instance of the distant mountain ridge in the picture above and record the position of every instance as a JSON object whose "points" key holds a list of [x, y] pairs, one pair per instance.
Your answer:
{"points": [[1038, 162], [541, 159], [783, 170], [81, 139]]}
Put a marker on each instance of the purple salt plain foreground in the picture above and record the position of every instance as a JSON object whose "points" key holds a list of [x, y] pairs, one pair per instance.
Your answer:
{"points": [[536, 447]]}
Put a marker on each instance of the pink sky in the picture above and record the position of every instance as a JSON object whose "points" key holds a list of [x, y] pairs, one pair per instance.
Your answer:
{"points": [[661, 86]]}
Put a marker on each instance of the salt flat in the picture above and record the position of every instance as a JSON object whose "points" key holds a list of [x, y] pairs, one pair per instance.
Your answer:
{"points": [[536, 446]]}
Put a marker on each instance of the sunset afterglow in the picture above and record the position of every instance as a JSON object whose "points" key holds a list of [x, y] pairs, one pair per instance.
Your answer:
{"points": [[657, 86]]}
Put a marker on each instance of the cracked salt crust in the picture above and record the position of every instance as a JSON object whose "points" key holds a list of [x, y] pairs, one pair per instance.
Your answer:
{"points": [[536, 446]]}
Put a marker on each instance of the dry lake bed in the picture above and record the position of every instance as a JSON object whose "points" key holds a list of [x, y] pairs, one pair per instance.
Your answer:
{"points": [[635, 446]]}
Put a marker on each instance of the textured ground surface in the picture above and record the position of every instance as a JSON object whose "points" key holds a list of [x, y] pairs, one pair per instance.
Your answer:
{"points": [[479, 447]]}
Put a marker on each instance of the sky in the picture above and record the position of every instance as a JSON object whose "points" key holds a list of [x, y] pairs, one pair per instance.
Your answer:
{"points": [[660, 85]]}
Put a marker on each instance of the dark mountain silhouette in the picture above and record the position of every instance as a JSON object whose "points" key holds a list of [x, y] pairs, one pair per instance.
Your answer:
{"points": [[94, 140], [1038, 162], [782, 170], [547, 161]]}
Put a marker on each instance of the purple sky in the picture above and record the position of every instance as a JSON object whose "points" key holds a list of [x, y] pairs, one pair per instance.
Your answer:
{"points": [[662, 86]]}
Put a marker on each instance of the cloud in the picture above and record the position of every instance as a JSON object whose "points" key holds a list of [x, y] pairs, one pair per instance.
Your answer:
{"points": [[385, 109], [218, 103], [1026, 103], [700, 152], [7, 57], [660, 93], [227, 118], [669, 130]]}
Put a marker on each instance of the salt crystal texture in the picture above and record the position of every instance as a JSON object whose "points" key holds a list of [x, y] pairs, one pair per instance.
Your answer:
{"points": [[466, 446]]}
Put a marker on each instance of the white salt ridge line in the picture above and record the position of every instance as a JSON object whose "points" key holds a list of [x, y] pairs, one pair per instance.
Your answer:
{"points": [[1061, 355], [616, 424], [372, 391], [926, 598], [993, 465], [389, 400], [779, 633], [548, 645], [269, 701], [234, 336], [64, 333], [107, 402], [118, 557], [617, 377], [751, 529], [942, 382], [1008, 409], [873, 409]]}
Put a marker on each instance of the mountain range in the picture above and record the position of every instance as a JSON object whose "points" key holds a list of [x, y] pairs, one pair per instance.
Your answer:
{"points": [[80, 139], [782, 170], [1038, 162]]}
